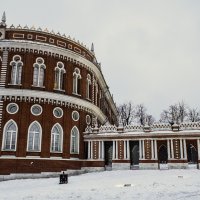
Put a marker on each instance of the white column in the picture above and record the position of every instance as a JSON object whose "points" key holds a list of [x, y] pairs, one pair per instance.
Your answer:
{"points": [[125, 149], [103, 156], [143, 150], [181, 148], [152, 151], [140, 149], [168, 149], [198, 147], [113, 150], [99, 149], [185, 149], [172, 149], [128, 150], [116, 149], [155, 149], [89, 150]]}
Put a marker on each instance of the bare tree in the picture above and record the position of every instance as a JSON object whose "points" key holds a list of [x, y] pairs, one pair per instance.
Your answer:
{"points": [[126, 112], [150, 119], [140, 114], [193, 115], [176, 113]]}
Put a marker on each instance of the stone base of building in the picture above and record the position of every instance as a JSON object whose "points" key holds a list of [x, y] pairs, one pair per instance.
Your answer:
{"points": [[148, 165], [24, 166], [182, 165], [121, 165]]}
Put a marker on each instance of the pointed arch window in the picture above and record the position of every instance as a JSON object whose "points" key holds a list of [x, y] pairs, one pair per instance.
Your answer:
{"points": [[16, 71], [74, 140], [76, 81], [88, 87], [56, 138], [59, 73], [34, 137], [39, 72], [10, 136]]}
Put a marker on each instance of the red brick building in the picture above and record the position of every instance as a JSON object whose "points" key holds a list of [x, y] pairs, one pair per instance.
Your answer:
{"points": [[51, 88], [54, 103]]}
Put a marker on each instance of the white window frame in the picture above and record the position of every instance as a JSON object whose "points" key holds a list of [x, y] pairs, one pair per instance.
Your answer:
{"points": [[10, 104], [40, 137], [77, 140], [4, 135], [16, 71], [89, 82], [58, 109], [61, 139], [76, 76], [75, 111], [59, 71], [38, 106], [39, 66]]}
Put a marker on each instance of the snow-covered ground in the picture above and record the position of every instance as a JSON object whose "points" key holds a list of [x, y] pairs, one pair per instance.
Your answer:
{"points": [[145, 184]]}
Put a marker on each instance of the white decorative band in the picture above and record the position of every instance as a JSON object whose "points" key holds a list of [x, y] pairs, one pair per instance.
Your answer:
{"points": [[72, 56], [54, 97]]}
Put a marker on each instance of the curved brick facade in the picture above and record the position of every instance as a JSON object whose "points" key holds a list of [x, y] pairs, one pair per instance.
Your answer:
{"points": [[21, 47]]}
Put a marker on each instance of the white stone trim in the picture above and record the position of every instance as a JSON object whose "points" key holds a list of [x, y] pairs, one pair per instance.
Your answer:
{"points": [[3, 72], [73, 118], [75, 57], [10, 105], [61, 142], [35, 106], [3, 139], [40, 144], [49, 97], [1, 112], [60, 109]]}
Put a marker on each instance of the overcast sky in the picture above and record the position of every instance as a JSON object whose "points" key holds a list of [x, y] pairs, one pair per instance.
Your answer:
{"points": [[149, 49]]}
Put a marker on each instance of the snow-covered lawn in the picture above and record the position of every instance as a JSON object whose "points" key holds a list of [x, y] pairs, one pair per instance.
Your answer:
{"points": [[145, 184]]}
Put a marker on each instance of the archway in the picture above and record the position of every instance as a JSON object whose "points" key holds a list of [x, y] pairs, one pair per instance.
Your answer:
{"points": [[108, 153], [135, 155], [192, 154], [162, 154]]}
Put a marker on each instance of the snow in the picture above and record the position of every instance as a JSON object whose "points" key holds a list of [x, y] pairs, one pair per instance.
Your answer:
{"points": [[108, 185]]}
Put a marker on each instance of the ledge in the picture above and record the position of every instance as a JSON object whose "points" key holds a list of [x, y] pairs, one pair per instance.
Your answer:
{"points": [[69, 100]]}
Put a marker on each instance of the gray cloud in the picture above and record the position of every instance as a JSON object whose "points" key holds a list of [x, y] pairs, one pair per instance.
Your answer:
{"points": [[149, 50]]}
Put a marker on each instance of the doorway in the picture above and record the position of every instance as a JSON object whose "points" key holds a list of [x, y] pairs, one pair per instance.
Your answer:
{"points": [[108, 153], [162, 154]]}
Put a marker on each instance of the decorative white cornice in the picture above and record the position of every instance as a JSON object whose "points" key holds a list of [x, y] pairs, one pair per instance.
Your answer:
{"points": [[19, 45], [50, 97]]}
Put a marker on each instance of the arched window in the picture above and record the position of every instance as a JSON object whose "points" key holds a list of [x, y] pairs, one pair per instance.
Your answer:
{"points": [[74, 140], [76, 81], [88, 87], [10, 136], [38, 72], [56, 138], [59, 72], [34, 137], [16, 72]]}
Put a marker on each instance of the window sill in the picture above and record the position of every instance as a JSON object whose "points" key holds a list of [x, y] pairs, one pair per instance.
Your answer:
{"points": [[76, 94], [15, 85], [59, 91], [10, 150], [35, 86], [56, 152], [89, 99], [32, 151]]}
